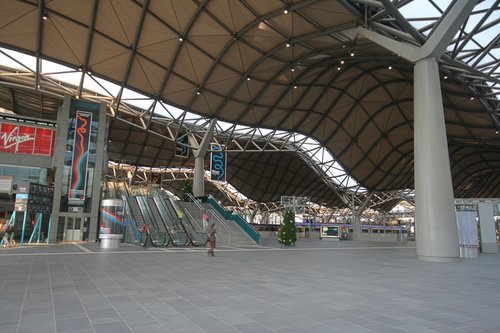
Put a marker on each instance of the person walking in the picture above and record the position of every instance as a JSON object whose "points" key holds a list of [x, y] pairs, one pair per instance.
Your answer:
{"points": [[12, 237], [144, 232], [204, 220], [180, 216], [211, 239], [5, 239]]}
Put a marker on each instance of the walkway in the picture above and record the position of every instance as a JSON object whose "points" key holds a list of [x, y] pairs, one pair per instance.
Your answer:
{"points": [[317, 286]]}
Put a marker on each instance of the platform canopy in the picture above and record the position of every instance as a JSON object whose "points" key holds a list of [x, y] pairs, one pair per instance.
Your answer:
{"points": [[297, 67]]}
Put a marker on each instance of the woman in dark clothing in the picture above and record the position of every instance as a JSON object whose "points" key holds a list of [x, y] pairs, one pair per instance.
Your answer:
{"points": [[211, 239]]}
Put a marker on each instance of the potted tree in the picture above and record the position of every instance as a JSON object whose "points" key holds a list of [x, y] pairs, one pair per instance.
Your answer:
{"points": [[288, 233]]}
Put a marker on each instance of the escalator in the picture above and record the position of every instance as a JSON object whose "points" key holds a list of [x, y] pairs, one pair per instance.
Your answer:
{"points": [[197, 235], [159, 221], [139, 220], [177, 233], [132, 231], [157, 237]]}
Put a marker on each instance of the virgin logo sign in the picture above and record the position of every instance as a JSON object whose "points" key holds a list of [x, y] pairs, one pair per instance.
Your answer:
{"points": [[21, 139], [13, 139]]}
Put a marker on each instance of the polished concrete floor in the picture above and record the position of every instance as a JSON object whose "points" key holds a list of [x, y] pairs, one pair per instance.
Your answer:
{"points": [[316, 286]]}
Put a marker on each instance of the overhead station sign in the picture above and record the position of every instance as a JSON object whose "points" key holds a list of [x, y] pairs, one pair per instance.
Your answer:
{"points": [[27, 140]]}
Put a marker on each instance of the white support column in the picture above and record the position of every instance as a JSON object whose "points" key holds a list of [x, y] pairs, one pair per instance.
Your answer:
{"points": [[436, 227], [357, 228], [357, 224], [199, 160], [198, 181]]}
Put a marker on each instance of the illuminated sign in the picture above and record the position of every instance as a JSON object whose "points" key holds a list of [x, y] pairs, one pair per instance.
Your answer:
{"points": [[329, 231], [27, 140], [21, 203]]}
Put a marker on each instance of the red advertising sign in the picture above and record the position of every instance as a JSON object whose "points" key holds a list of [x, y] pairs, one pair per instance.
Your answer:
{"points": [[28, 140]]}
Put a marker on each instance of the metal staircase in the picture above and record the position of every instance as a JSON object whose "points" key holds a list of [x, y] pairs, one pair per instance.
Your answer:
{"points": [[228, 232]]}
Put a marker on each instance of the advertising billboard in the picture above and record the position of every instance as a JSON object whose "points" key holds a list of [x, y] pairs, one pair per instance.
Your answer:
{"points": [[81, 143], [27, 140]]}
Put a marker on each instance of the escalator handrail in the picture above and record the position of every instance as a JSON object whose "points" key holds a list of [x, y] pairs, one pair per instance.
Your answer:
{"points": [[144, 203], [196, 202], [160, 225], [190, 220], [147, 216], [131, 219], [163, 216], [176, 207]]}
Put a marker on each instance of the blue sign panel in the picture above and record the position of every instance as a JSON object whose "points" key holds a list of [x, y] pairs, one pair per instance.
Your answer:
{"points": [[217, 164]]}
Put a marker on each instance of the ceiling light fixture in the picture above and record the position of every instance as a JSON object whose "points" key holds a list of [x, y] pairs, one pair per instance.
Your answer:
{"points": [[390, 67], [293, 69], [287, 44], [285, 10]]}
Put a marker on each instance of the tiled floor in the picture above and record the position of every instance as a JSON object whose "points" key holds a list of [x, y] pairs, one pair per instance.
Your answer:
{"points": [[317, 286]]}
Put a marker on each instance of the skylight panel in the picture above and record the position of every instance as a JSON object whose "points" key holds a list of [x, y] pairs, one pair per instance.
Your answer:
{"points": [[17, 60]]}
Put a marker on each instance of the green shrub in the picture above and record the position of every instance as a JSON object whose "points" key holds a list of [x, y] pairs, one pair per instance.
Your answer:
{"points": [[186, 189]]}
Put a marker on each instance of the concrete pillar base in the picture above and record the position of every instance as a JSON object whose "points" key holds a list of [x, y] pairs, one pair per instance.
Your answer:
{"points": [[437, 259], [468, 252], [489, 248]]}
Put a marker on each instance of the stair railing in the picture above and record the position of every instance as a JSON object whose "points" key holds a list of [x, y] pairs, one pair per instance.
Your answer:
{"points": [[215, 218]]}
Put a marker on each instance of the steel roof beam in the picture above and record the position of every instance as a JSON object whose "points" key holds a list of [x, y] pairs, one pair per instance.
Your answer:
{"points": [[90, 38], [42, 16], [132, 52]]}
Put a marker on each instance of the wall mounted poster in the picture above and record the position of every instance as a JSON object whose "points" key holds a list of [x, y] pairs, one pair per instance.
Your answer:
{"points": [[79, 164]]}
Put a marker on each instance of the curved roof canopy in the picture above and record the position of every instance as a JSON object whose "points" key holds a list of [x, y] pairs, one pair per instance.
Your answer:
{"points": [[297, 66]]}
